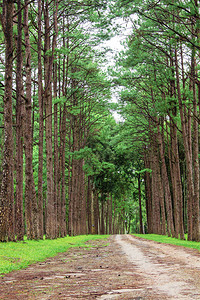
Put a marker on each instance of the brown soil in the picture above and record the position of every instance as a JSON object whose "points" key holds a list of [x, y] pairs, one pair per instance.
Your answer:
{"points": [[122, 268]]}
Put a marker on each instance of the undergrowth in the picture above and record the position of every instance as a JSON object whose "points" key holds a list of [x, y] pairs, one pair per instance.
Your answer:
{"points": [[19, 255]]}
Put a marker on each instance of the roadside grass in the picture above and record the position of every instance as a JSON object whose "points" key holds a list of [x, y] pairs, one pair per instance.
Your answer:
{"points": [[169, 240], [19, 255]]}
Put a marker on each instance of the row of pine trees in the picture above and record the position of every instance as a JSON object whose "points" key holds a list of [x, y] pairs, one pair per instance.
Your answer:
{"points": [[54, 96], [159, 70], [66, 166]]}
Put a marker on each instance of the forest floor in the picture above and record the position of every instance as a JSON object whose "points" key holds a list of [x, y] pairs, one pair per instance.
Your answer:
{"points": [[122, 267]]}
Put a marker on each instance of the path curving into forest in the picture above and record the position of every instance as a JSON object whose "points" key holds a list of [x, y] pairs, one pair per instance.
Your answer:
{"points": [[124, 267]]}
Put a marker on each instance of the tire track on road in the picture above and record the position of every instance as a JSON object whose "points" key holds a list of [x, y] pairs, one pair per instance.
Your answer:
{"points": [[172, 272]]}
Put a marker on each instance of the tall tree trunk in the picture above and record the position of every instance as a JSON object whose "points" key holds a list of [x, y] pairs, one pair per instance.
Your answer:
{"points": [[106, 214], [30, 193], [7, 194], [195, 204], [89, 205], [48, 66], [19, 134], [56, 159], [70, 191], [110, 214], [75, 205], [63, 193], [158, 179], [140, 204], [177, 174], [41, 126], [148, 194], [155, 193], [187, 147], [168, 200], [96, 212], [102, 227], [59, 209], [161, 198], [55, 12], [82, 194], [173, 170]]}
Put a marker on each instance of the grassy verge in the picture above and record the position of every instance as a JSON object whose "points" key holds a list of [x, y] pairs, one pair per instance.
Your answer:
{"points": [[168, 240], [15, 256]]}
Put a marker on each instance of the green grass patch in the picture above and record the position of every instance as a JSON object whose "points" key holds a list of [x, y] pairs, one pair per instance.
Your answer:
{"points": [[168, 240], [19, 255]]}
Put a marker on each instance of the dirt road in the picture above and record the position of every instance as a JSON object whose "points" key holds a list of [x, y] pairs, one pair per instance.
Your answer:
{"points": [[123, 267], [170, 271]]}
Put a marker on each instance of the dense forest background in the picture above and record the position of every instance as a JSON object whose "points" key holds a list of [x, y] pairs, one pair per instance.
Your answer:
{"points": [[66, 165]]}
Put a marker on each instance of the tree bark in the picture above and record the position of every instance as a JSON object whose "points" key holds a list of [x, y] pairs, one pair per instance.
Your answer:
{"points": [[89, 206], [102, 226], [56, 159], [83, 228], [140, 204], [148, 194], [63, 193], [41, 126], [155, 192], [19, 134], [110, 213], [195, 204], [96, 212], [30, 193], [7, 195], [48, 67], [187, 147], [168, 200], [70, 191]]}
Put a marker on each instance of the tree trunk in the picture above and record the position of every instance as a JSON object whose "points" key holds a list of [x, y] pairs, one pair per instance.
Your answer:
{"points": [[89, 206], [7, 196], [96, 212], [140, 204], [56, 158], [48, 65], [30, 193], [148, 194], [102, 231], [41, 127], [155, 194], [83, 229], [195, 204], [19, 134], [70, 191], [75, 177], [110, 214], [168, 200], [107, 212], [175, 180], [63, 227], [187, 147]]}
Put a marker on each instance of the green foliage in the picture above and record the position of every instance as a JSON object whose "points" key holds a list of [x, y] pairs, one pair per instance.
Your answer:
{"points": [[143, 171], [15, 256]]}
